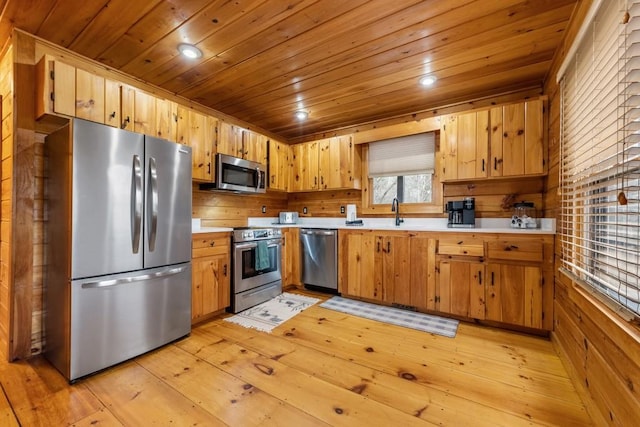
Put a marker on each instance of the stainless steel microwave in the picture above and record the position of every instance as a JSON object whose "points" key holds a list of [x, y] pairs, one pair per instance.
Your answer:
{"points": [[239, 175]]}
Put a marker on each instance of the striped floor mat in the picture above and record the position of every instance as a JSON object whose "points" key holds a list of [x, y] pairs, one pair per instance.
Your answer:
{"points": [[394, 316]]}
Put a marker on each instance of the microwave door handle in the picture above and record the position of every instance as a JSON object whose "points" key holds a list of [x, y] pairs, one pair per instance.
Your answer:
{"points": [[152, 203], [136, 203], [259, 179]]}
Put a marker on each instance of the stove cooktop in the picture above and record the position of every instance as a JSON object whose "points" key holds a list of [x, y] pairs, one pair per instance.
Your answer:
{"points": [[248, 234]]}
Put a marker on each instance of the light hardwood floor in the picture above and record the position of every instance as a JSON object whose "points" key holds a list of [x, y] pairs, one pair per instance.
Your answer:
{"points": [[320, 368]]}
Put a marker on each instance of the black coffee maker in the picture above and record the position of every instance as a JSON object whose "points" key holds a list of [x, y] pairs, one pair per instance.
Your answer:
{"points": [[462, 213]]}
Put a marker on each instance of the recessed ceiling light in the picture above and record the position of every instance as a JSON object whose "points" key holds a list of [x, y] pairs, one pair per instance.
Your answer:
{"points": [[427, 80], [301, 115], [189, 50]]}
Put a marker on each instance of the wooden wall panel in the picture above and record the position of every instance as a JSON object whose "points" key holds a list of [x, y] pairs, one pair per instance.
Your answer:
{"points": [[600, 349], [23, 194], [604, 353], [220, 209], [6, 77], [494, 198], [326, 203]]}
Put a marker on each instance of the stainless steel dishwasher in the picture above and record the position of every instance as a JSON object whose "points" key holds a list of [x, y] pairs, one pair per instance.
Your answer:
{"points": [[319, 258]]}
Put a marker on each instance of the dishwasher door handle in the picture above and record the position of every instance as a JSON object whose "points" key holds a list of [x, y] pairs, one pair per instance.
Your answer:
{"points": [[319, 232]]}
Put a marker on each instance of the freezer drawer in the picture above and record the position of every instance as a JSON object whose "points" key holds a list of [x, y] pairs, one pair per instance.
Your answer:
{"points": [[117, 317]]}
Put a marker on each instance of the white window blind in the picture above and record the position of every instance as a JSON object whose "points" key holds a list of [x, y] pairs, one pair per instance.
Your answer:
{"points": [[408, 155], [600, 155]]}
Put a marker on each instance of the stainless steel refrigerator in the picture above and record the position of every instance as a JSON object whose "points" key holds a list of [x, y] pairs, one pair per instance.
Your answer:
{"points": [[118, 279]]}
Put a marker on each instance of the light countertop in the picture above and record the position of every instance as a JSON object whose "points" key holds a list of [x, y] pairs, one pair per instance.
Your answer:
{"points": [[483, 225]]}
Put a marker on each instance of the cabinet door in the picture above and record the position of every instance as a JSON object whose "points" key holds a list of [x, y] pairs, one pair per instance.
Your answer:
{"points": [[90, 91], [534, 156], [183, 125], [56, 87], [291, 256], [166, 119], [278, 165], [230, 140], [336, 163], [127, 105], [495, 121], [422, 266], [200, 138], [210, 285], [513, 140], [514, 294], [359, 270], [466, 150], [396, 268], [144, 113], [304, 167], [461, 288], [449, 147], [112, 103], [254, 147]]}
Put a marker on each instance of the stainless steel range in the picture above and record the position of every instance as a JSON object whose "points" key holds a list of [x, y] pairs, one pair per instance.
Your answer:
{"points": [[257, 275]]}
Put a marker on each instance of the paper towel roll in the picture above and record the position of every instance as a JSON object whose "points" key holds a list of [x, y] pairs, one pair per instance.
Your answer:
{"points": [[351, 213]]}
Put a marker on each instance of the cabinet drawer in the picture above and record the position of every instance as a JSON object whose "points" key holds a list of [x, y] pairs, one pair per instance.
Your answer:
{"points": [[208, 245], [515, 250], [461, 246]]}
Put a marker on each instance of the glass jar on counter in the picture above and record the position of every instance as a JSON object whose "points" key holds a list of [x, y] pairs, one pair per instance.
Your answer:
{"points": [[524, 215]]}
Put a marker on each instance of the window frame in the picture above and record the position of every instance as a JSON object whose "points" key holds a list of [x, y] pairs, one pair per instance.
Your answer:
{"points": [[435, 208]]}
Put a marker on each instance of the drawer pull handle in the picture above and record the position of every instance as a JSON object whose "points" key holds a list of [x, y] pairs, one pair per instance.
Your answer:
{"points": [[212, 244], [461, 242], [510, 247], [480, 277]]}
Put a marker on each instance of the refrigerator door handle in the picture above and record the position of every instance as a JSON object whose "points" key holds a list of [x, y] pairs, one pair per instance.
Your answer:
{"points": [[152, 203], [136, 203], [116, 282]]}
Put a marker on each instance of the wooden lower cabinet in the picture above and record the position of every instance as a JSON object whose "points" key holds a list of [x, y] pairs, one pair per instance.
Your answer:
{"points": [[290, 257], [211, 274], [461, 288], [493, 277], [393, 267], [514, 294]]}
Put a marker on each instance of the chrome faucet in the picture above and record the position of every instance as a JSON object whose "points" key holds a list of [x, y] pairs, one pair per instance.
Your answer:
{"points": [[395, 207]]}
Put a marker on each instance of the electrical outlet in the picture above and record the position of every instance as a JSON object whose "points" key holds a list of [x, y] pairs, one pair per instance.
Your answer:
{"points": [[341, 209], [304, 210], [264, 209]]}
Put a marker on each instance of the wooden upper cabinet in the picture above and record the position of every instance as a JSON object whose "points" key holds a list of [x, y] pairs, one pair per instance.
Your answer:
{"points": [[464, 145], [449, 147], [326, 164], [254, 147], [278, 165], [90, 96], [505, 141], [144, 116], [127, 107], [166, 119], [199, 132], [517, 139], [56, 88], [242, 143], [230, 140], [112, 103], [304, 167], [337, 165]]}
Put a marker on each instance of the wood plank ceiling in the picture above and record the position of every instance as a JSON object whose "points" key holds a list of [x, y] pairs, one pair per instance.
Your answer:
{"points": [[345, 62]]}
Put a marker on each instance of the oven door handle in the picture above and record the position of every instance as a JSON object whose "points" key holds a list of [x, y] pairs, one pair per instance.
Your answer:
{"points": [[270, 244]]}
